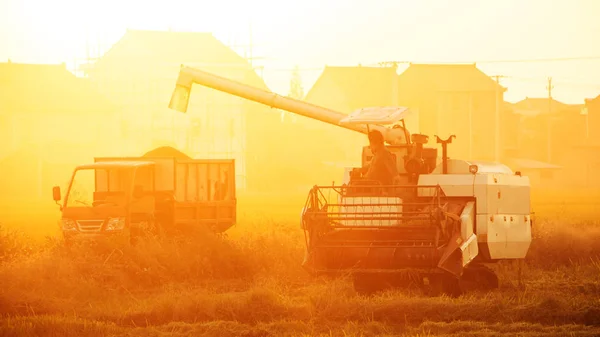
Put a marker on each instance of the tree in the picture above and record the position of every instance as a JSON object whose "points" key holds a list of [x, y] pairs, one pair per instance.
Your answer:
{"points": [[296, 90]]}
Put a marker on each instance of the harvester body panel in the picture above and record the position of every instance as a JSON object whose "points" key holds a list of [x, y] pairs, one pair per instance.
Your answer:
{"points": [[503, 213]]}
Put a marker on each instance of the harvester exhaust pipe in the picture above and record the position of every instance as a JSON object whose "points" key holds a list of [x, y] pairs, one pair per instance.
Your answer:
{"points": [[445, 143]]}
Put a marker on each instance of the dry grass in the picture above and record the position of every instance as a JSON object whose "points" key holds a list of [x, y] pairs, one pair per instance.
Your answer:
{"points": [[250, 283]]}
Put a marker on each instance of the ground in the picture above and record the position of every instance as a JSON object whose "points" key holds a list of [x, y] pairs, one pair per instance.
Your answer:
{"points": [[250, 283]]}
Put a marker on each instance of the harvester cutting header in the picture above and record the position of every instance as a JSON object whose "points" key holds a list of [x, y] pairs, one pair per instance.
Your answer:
{"points": [[442, 219]]}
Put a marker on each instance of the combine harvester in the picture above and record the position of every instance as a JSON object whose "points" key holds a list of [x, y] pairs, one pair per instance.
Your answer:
{"points": [[440, 224], [161, 192]]}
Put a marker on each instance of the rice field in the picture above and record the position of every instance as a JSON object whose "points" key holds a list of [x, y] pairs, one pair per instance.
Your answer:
{"points": [[249, 282]]}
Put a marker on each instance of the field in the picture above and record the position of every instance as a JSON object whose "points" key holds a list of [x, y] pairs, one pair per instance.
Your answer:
{"points": [[250, 283]]}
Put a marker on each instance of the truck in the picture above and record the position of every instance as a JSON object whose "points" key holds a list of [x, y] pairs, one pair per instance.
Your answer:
{"points": [[440, 225], [159, 193]]}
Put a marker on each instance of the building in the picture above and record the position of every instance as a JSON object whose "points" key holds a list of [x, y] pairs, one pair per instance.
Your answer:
{"points": [[139, 72], [557, 136], [445, 99], [592, 115], [455, 99], [509, 130], [548, 128], [588, 155], [50, 121]]}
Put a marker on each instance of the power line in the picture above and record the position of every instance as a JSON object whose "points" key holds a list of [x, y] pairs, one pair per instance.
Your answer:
{"points": [[534, 60], [551, 59], [561, 83], [554, 59]]}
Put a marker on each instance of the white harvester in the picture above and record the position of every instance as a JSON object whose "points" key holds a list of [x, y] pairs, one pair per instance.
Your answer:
{"points": [[442, 221]]}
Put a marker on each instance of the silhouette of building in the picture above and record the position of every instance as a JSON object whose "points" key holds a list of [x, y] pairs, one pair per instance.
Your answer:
{"points": [[445, 99], [139, 72], [592, 116], [549, 128], [50, 121], [553, 134], [455, 99]]}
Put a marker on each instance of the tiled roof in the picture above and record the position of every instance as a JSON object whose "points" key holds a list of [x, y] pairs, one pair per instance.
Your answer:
{"points": [[46, 88], [590, 100], [535, 106], [361, 86], [447, 77], [149, 47], [371, 86]]}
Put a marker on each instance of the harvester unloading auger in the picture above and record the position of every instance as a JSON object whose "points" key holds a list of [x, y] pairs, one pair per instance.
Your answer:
{"points": [[441, 223]]}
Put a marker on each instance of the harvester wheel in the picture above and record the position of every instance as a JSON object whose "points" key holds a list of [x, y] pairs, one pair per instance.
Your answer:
{"points": [[368, 284], [444, 283], [365, 284], [479, 277]]}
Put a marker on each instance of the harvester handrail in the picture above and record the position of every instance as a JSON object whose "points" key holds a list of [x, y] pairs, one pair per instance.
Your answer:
{"points": [[367, 209], [376, 186]]}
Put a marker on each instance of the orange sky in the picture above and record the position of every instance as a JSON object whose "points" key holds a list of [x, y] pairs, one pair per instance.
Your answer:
{"points": [[313, 33]]}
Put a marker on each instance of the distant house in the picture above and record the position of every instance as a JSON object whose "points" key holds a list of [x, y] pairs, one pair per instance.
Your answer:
{"points": [[50, 121], [455, 99], [555, 134], [592, 107], [444, 99], [510, 130], [549, 128], [540, 173], [139, 72]]}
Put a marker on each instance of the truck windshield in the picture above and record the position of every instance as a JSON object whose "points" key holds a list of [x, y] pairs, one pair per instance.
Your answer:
{"points": [[100, 186]]}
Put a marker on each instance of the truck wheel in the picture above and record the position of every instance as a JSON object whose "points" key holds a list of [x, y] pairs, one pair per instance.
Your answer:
{"points": [[134, 236], [157, 229]]}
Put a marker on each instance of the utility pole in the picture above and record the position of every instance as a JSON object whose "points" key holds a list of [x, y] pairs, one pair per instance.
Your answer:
{"points": [[250, 44], [497, 121], [549, 125]]}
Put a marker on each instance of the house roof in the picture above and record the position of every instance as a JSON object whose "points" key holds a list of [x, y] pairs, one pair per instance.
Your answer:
{"points": [[116, 164], [525, 163], [148, 47], [47, 88], [592, 100], [535, 106], [361, 86], [447, 77]]}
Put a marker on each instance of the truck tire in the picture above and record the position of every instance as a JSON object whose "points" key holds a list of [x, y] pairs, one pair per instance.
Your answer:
{"points": [[134, 235]]}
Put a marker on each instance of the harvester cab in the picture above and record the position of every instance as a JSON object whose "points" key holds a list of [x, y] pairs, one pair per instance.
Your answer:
{"points": [[412, 158]]}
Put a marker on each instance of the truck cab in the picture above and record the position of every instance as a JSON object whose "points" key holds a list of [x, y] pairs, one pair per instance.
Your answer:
{"points": [[108, 197]]}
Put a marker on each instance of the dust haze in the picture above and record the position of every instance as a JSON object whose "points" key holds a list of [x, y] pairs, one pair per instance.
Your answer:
{"points": [[177, 185]]}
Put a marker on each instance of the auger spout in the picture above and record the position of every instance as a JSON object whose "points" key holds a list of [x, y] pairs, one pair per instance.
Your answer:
{"points": [[189, 76]]}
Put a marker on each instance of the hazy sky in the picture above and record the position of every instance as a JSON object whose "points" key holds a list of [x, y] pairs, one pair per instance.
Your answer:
{"points": [[312, 33]]}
